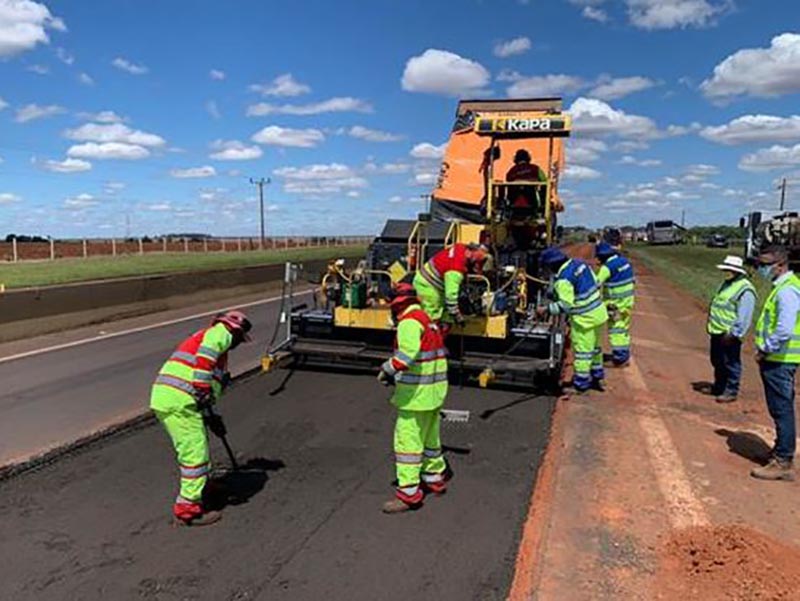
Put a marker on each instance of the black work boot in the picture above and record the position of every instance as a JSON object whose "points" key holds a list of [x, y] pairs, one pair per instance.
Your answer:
{"points": [[776, 469]]}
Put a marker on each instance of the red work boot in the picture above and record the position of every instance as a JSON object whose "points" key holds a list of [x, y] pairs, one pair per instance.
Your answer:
{"points": [[435, 488], [192, 514], [404, 502]]}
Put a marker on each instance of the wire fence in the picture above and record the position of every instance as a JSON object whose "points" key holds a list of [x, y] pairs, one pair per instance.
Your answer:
{"points": [[16, 251]]}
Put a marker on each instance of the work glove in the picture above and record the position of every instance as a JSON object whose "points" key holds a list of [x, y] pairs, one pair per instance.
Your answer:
{"points": [[542, 311], [614, 313], [214, 423], [385, 379]]}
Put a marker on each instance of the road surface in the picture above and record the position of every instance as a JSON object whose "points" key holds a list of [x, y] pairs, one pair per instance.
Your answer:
{"points": [[306, 523], [52, 398]]}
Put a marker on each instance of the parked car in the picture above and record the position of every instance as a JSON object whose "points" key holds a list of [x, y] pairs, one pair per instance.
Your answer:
{"points": [[717, 241]]}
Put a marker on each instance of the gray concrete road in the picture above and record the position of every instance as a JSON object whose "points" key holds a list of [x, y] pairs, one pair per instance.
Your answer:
{"points": [[304, 523], [49, 399]]}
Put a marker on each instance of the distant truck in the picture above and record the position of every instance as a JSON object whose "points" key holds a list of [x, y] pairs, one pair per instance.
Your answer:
{"points": [[772, 228], [664, 232]]}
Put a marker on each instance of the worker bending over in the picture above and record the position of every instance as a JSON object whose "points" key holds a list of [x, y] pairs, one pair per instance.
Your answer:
{"points": [[418, 368], [438, 282], [729, 318], [578, 296], [189, 382], [616, 277]]}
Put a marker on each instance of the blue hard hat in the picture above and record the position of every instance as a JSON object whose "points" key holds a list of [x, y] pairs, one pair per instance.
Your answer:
{"points": [[552, 256], [603, 249]]}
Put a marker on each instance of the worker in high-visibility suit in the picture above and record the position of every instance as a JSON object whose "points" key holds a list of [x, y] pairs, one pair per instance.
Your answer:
{"points": [[195, 375], [438, 282], [619, 286], [578, 296], [418, 369]]}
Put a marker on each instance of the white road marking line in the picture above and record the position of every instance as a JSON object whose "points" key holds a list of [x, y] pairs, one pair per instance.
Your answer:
{"points": [[685, 509], [66, 345]]}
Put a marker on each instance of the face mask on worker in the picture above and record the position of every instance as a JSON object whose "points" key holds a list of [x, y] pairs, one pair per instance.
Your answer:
{"points": [[767, 272]]}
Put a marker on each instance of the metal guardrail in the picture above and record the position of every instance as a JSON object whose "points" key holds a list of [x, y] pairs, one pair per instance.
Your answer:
{"points": [[16, 251]]}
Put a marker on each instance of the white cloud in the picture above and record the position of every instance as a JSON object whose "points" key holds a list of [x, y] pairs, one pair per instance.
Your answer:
{"points": [[396, 199], [212, 109], [64, 56], [320, 181], [68, 165], [513, 47], [442, 72], [38, 69], [102, 117], [631, 160], [23, 25], [234, 150], [585, 150], [158, 207], [124, 64], [387, 168], [85, 79], [372, 135], [425, 178], [428, 151], [284, 86], [284, 136], [113, 132], [671, 14], [112, 188], [613, 89], [344, 104], [3, 104], [32, 112], [768, 159], [81, 201], [7, 198], [194, 172], [595, 14], [545, 85], [755, 128], [761, 72], [702, 170], [108, 151], [579, 172], [595, 117], [216, 74]]}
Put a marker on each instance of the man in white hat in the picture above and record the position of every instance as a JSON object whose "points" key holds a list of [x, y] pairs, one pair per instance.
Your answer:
{"points": [[729, 317]]}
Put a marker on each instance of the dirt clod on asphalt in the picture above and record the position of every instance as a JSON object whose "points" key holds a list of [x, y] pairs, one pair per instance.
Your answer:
{"points": [[731, 563]]}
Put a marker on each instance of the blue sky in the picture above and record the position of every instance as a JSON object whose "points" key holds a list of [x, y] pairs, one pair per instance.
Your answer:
{"points": [[150, 116]]}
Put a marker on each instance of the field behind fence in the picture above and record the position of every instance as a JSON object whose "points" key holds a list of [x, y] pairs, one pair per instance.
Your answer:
{"points": [[17, 251]]}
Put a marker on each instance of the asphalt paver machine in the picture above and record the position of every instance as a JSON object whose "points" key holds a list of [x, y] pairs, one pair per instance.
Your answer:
{"points": [[503, 341]]}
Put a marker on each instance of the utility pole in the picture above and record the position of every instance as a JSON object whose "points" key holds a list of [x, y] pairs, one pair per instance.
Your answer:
{"points": [[782, 188], [261, 183]]}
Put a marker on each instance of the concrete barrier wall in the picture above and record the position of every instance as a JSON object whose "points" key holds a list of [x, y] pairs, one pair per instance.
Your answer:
{"points": [[83, 299]]}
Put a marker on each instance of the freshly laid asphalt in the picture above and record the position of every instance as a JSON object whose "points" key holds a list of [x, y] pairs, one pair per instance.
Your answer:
{"points": [[304, 522]]}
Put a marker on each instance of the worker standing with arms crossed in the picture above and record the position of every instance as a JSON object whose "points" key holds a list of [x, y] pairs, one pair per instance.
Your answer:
{"points": [[190, 381], [418, 369], [729, 318], [439, 281], [616, 277], [578, 296], [778, 354]]}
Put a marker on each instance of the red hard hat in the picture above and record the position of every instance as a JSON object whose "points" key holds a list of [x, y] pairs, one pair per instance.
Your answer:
{"points": [[403, 294], [235, 321]]}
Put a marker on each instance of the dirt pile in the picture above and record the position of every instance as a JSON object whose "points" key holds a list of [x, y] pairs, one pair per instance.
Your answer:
{"points": [[728, 563]]}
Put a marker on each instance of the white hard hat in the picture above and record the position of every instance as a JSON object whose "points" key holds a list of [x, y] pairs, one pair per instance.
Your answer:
{"points": [[734, 264]]}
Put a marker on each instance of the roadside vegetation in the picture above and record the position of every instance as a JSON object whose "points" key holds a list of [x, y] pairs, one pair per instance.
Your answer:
{"points": [[62, 271], [692, 267]]}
